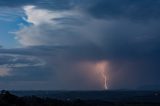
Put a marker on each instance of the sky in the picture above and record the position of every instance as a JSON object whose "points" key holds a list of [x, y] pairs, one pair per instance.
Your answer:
{"points": [[79, 44]]}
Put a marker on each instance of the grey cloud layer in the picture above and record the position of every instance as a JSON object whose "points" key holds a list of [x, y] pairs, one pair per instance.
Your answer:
{"points": [[50, 4], [122, 32]]}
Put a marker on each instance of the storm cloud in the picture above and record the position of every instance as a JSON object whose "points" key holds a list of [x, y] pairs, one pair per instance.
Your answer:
{"points": [[63, 41]]}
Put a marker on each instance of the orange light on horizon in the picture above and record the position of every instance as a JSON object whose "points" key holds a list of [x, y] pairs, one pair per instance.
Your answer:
{"points": [[101, 68], [96, 72]]}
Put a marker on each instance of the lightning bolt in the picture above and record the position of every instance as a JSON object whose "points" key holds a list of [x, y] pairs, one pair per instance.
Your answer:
{"points": [[101, 68]]}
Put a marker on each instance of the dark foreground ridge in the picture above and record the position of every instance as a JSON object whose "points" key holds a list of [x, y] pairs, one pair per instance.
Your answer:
{"points": [[8, 99]]}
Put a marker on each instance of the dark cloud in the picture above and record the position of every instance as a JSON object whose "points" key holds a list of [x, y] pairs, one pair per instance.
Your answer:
{"points": [[126, 9], [49, 4], [133, 74], [15, 3], [125, 33], [14, 60]]}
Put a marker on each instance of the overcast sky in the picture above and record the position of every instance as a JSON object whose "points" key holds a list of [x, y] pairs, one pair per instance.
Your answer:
{"points": [[79, 44]]}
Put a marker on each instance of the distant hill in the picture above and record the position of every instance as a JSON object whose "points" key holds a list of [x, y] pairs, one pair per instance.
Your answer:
{"points": [[125, 98]]}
